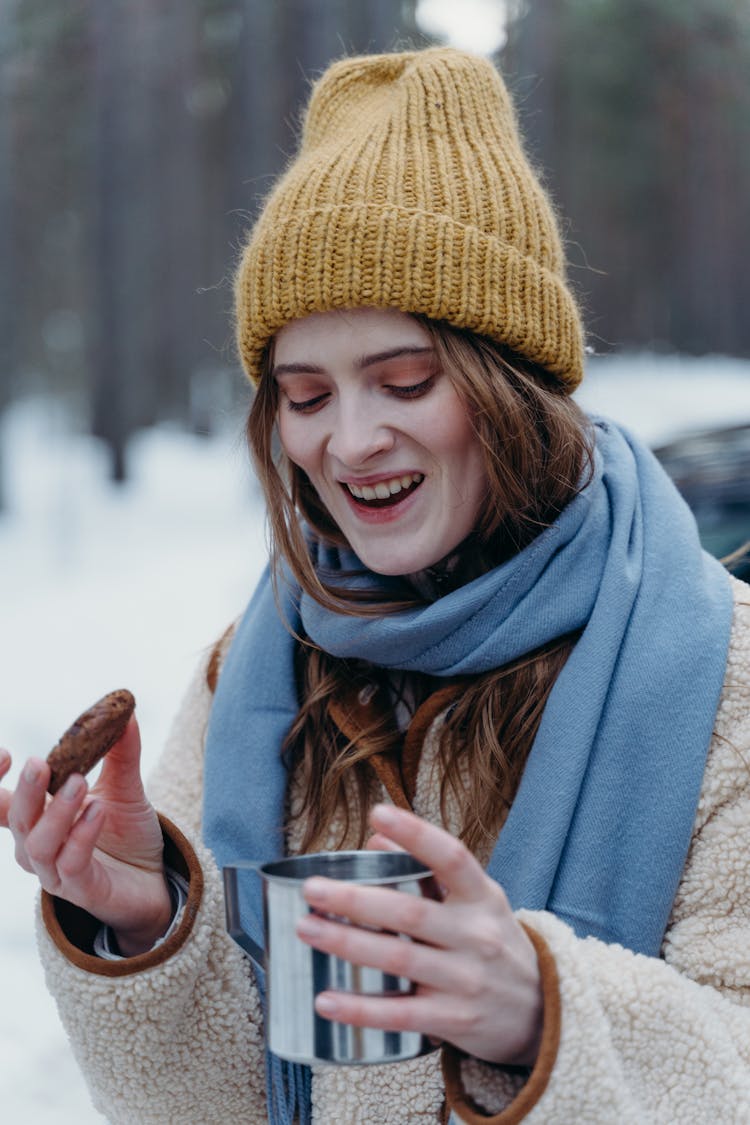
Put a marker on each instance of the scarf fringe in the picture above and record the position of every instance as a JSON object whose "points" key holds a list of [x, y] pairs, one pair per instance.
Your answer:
{"points": [[289, 1091]]}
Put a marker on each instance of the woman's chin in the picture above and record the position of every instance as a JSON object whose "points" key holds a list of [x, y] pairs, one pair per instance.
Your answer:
{"points": [[396, 565]]}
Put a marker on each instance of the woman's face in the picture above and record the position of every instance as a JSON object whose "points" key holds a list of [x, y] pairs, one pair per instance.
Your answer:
{"points": [[367, 413]]}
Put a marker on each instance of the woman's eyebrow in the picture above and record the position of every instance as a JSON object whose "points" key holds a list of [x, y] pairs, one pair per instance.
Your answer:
{"points": [[361, 362], [392, 353], [296, 369]]}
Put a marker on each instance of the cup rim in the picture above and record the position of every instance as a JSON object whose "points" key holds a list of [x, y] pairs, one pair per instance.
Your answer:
{"points": [[411, 868]]}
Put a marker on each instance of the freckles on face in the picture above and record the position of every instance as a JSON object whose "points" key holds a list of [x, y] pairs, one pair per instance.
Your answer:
{"points": [[366, 411]]}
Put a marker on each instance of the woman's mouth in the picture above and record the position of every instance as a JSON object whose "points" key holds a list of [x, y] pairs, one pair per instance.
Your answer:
{"points": [[385, 493]]}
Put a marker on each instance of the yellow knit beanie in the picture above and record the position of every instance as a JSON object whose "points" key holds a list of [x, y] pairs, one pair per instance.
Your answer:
{"points": [[411, 190]]}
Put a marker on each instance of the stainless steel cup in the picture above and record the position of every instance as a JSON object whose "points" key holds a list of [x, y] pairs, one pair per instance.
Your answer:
{"points": [[296, 973]]}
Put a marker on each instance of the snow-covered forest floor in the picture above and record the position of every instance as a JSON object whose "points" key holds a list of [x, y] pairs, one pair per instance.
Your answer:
{"points": [[107, 587]]}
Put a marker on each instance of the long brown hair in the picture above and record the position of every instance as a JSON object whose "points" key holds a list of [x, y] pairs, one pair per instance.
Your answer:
{"points": [[537, 451]]}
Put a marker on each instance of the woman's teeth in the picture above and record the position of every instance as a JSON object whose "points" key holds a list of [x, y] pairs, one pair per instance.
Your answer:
{"points": [[385, 489]]}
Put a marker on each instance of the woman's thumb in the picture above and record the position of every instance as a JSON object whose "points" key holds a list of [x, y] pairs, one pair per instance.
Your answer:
{"points": [[121, 771]]}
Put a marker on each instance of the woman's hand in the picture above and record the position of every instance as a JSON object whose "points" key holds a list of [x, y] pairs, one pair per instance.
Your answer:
{"points": [[475, 970], [101, 850]]}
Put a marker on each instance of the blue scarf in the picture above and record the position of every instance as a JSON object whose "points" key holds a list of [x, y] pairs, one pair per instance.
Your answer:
{"points": [[600, 826]]}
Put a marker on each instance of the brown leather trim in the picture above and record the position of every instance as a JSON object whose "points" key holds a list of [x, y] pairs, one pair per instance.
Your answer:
{"points": [[352, 718], [423, 719], [73, 930], [399, 781], [527, 1098], [216, 659], [389, 774]]}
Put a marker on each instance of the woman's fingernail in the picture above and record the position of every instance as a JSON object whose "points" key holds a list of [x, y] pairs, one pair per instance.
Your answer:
{"points": [[92, 812], [316, 889], [72, 787], [385, 814], [326, 1005], [309, 926], [32, 771]]}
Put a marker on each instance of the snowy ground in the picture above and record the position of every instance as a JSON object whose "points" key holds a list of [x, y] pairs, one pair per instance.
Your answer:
{"points": [[101, 589], [661, 397], [105, 588]]}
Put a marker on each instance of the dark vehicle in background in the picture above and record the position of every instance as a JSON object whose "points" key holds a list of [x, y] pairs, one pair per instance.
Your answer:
{"points": [[711, 468]]}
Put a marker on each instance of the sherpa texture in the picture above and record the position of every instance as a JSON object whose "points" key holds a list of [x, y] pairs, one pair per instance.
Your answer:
{"points": [[640, 1039], [411, 190]]}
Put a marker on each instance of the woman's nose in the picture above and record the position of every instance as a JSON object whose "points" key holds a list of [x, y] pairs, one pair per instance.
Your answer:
{"points": [[359, 434]]}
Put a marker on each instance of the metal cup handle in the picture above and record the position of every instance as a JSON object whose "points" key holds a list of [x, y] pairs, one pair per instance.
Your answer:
{"points": [[232, 913]]}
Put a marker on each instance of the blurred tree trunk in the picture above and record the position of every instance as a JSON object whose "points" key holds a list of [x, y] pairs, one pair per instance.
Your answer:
{"points": [[710, 213], [109, 401], [138, 139], [144, 136], [538, 63], [283, 48], [639, 111], [179, 212], [7, 335]]}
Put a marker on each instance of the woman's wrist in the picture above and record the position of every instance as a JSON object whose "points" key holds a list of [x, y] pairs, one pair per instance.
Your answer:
{"points": [[527, 1057], [141, 938]]}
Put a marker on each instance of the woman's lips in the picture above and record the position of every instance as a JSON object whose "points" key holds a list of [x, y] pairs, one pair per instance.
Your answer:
{"points": [[382, 493], [384, 500], [384, 488]]}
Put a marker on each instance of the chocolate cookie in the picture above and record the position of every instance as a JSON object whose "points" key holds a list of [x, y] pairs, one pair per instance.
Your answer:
{"points": [[90, 737]]}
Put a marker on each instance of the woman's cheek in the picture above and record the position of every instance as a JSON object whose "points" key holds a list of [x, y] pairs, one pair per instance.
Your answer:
{"points": [[294, 441]]}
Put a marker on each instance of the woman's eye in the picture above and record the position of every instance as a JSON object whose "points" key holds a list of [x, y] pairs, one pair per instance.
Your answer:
{"points": [[306, 406], [414, 390]]}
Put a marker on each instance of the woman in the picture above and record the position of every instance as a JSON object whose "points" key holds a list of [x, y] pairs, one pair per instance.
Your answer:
{"points": [[489, 637]]}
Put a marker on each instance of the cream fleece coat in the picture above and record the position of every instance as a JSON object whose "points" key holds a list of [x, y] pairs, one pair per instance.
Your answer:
{"points": [[174, 1036]]}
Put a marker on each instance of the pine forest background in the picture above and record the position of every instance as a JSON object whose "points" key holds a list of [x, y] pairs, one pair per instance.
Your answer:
{"points": [[138, 137]]}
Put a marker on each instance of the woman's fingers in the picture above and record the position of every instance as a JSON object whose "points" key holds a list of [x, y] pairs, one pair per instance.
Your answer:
{"points": [[27, 805], [447, 924], [50, 833], [5, 795], [421, 1012], [475, 970], [421, 918], [454, 867], [481, 992], [120, 778], [421, 964], [406, 1014], [74, 858], [30, 796]]}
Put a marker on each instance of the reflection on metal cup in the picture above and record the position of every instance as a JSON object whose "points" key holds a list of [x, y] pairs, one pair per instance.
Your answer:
{"points": [[296, 973]]}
